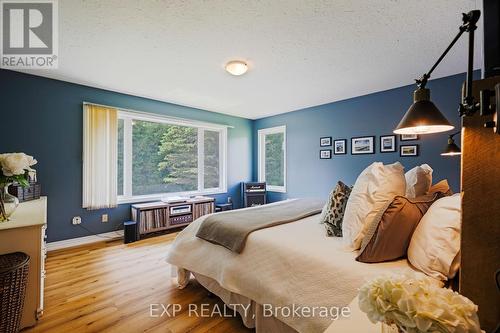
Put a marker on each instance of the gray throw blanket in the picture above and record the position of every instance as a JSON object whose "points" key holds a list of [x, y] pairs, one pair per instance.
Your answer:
{"points": [[231, 229]]}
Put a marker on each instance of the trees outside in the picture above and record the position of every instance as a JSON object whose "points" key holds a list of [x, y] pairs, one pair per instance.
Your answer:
{"points": [[178, 151], [275, 159], [146, 139], [165, 158], [120, 158], [211, 159]]}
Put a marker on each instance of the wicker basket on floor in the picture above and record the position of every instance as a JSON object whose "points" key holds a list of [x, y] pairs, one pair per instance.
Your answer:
{"points": [[13, 279]]}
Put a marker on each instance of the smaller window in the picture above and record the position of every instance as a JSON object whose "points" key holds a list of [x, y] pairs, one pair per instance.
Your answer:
{"points": [[272, 158]]}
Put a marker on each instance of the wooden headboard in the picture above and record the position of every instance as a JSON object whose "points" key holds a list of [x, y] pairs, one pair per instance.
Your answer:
{"points": [[480, 242]]}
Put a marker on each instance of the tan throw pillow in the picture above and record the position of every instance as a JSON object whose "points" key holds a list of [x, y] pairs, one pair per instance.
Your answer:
{"points": [[333, 211], [389, 234], [442, 187]]}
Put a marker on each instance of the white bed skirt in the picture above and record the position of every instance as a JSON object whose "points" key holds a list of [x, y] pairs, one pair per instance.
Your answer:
{"points": [[253, 316]]}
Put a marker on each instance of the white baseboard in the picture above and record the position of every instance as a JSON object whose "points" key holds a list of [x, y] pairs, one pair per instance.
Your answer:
{"points": [[67, 243]]}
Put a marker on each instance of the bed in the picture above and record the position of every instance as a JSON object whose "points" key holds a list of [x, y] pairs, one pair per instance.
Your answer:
{"points": [[294, 257]]}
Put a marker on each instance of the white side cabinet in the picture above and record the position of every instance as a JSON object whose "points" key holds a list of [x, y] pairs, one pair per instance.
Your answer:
{"points": [[25, 232]]}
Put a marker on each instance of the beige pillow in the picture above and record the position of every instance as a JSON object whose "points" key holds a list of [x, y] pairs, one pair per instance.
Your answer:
{"points": [[435, 244], [377, 185], [389, 235], [418, 181], [442, 186]]}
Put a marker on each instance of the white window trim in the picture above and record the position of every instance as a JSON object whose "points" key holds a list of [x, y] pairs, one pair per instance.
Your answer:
{"points": [[262, 156], [128, 116]]}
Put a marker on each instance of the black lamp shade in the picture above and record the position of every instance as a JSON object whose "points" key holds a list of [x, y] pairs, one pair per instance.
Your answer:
{"points": [[423, 116], [451, 149]]}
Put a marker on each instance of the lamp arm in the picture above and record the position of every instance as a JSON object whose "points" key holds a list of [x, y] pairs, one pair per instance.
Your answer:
{"points": [[468, 106], [422, 81], [469, 25]]}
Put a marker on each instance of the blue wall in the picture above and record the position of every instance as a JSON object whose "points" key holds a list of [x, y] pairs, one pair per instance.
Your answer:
{"points": [[375, 114], [43, 118]]}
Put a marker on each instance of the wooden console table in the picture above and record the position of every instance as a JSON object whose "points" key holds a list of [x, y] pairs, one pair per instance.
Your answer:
{"points": [[159, 215]]}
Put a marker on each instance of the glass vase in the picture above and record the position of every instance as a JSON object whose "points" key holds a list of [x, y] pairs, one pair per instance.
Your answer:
{"points": [[8, 203]]}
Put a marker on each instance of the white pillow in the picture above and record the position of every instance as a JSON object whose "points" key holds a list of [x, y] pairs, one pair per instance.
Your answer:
{"points": [[375, 186], [435, 244], [418, 181]]}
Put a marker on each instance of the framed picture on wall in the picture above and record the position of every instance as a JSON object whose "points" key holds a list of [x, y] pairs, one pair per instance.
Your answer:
{"points": [[387, 143], [325, 154], [408, 137], [408, 150], [325, 141], [339, 146], [363, 145]]}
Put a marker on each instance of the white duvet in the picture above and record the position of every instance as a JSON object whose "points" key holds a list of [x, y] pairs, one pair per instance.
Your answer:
{"points": [[291, 264]]}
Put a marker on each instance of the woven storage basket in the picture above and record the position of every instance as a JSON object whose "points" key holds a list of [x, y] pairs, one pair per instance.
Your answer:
{"points": [[13, 279]]}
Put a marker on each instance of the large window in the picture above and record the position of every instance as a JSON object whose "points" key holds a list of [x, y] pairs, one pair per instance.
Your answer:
{"points": [[158, 156], [272, 158]]}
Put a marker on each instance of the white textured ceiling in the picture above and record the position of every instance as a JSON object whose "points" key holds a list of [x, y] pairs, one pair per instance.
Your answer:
{"points": [[301, 53]]}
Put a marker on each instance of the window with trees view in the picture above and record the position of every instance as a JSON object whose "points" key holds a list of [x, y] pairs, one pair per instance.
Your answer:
{"points": [[272, 158], [158, 155]]}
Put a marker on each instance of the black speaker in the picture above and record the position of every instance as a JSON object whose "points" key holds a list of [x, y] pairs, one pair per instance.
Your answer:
{"points": [[131, 234], [253, 194]]}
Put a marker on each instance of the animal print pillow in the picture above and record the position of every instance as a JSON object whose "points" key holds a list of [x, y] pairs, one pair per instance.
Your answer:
{"points": [[333, 211]]}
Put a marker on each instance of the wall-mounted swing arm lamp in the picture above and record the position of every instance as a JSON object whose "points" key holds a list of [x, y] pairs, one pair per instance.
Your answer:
{"points": [[423, 116], [451, 148]]}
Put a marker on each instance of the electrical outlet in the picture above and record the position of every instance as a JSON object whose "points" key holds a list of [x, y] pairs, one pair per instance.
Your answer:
{"points": [[76, 220], [104, 218]]}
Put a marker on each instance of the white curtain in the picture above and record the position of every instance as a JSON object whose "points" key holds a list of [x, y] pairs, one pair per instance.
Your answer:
{"points": [[100, 145]]}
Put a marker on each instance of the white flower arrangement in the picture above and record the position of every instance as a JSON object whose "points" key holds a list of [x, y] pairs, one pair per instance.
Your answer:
{"points": [[16, 167], [417, 305]]}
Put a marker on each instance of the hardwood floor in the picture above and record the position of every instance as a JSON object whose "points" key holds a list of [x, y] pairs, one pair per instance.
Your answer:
{"points": [[109, 286]]}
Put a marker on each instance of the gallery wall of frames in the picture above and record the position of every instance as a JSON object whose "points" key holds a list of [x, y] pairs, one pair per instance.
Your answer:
{"points": [[368, 145]]}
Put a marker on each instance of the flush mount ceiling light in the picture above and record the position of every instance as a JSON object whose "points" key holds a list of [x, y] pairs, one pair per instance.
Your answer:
{"points": [[236, 67]]}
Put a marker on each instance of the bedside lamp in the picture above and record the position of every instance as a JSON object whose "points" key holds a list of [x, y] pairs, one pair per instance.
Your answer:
{"points": [[423, 116], [451, 148]]}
